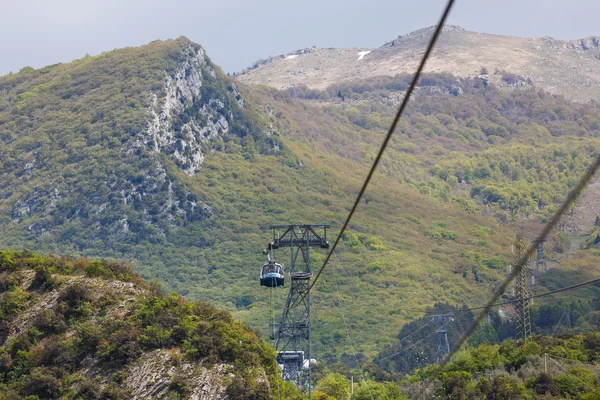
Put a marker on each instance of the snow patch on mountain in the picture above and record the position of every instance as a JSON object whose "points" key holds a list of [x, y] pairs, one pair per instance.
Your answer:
{"points": [[362, 54]]}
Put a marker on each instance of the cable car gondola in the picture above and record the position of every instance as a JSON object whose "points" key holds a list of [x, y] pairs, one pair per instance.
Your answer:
{"points": [[271, 274]]}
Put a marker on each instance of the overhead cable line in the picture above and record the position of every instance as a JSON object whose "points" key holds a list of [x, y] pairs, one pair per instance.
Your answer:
{"points": [[388, 136], [538, 295], [414, 344], [404, 338], [573, 194], [535, 296], [564, 369], [405, 349], [346, 273]]}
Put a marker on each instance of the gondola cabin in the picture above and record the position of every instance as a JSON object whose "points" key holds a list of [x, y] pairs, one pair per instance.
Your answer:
{"points": [[271, 274]]}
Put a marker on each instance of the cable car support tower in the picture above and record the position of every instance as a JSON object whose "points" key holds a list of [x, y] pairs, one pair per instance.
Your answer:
{"points": [[293, 336], [523, 321]]}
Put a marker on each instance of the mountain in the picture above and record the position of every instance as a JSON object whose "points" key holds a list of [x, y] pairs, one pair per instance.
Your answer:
{"points": [[123, 129], [567, 67], [152, 155], [91, 329]]}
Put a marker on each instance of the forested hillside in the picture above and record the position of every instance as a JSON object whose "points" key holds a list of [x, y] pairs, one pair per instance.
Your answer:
{"points": [[564, 367], [154, 156], [91, 329]]}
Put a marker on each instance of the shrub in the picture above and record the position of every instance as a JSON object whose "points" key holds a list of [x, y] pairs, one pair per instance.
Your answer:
{"points": [[89, 389], [96, 268], [54, 353], [75, 302], [335, 385], [113, 392], [247, 388], [42, 383], [88, 338], [49, 322], [13, 301], [456, 384], [8, 281], [43, 279], [7, 261], [544, 384], [179, 385], [120, 346]]}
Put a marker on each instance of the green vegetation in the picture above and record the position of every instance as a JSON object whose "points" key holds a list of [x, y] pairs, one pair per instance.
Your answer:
{"points": [[565, 367], [468, 165], [515, 153], [56, 340]]}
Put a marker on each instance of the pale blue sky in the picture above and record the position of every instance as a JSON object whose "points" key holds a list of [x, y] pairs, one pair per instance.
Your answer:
{"points": [[236, 33]]}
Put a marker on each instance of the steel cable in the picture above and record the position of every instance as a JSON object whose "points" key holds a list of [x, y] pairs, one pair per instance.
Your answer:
{"points": [[388, 136], [521, 264]]}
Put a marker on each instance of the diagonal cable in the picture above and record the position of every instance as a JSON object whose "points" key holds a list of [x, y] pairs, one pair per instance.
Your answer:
{"points": [[535, 296], [521, 263], [384, 145], [564, 369]]}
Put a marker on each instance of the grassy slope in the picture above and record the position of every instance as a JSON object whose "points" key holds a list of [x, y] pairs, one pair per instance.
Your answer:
{"points": [[561, 67], [545, 145]]}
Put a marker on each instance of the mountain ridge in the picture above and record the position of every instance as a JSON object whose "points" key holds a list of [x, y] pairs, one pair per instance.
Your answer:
{"points": [[567, 67]]}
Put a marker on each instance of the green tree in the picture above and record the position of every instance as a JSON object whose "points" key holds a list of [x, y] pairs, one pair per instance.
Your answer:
{"points": [[335, 385], [456, 385], [370, 390]]}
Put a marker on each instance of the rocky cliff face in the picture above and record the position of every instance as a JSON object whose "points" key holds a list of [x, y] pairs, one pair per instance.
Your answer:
{"points": [[130, 121], [206, 114]]}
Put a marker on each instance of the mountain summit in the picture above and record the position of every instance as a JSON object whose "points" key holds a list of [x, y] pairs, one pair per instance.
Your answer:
{"points": [[98, 150], [567, 67]]}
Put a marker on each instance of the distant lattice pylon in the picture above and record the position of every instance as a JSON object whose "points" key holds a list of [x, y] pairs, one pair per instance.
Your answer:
{"points": [[443, 346], [540, 256], [522, 293]]}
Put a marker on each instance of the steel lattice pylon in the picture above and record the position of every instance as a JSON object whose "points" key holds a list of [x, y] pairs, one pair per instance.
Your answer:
{"points": [[522, 293], [293, 335], [443, 346], [540, 256]]}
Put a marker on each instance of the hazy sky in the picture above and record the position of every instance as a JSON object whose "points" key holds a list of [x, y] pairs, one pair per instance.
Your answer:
{"points": [[236, 33]]}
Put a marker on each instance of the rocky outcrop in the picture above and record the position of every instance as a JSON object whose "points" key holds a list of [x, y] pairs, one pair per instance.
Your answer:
{"points": [[155, 373], [205, 114], [584, 44]]}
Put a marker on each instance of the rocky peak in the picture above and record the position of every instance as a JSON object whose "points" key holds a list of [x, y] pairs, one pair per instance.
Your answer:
{"points": [[184, 118], [584, 44], [430, 29]]}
